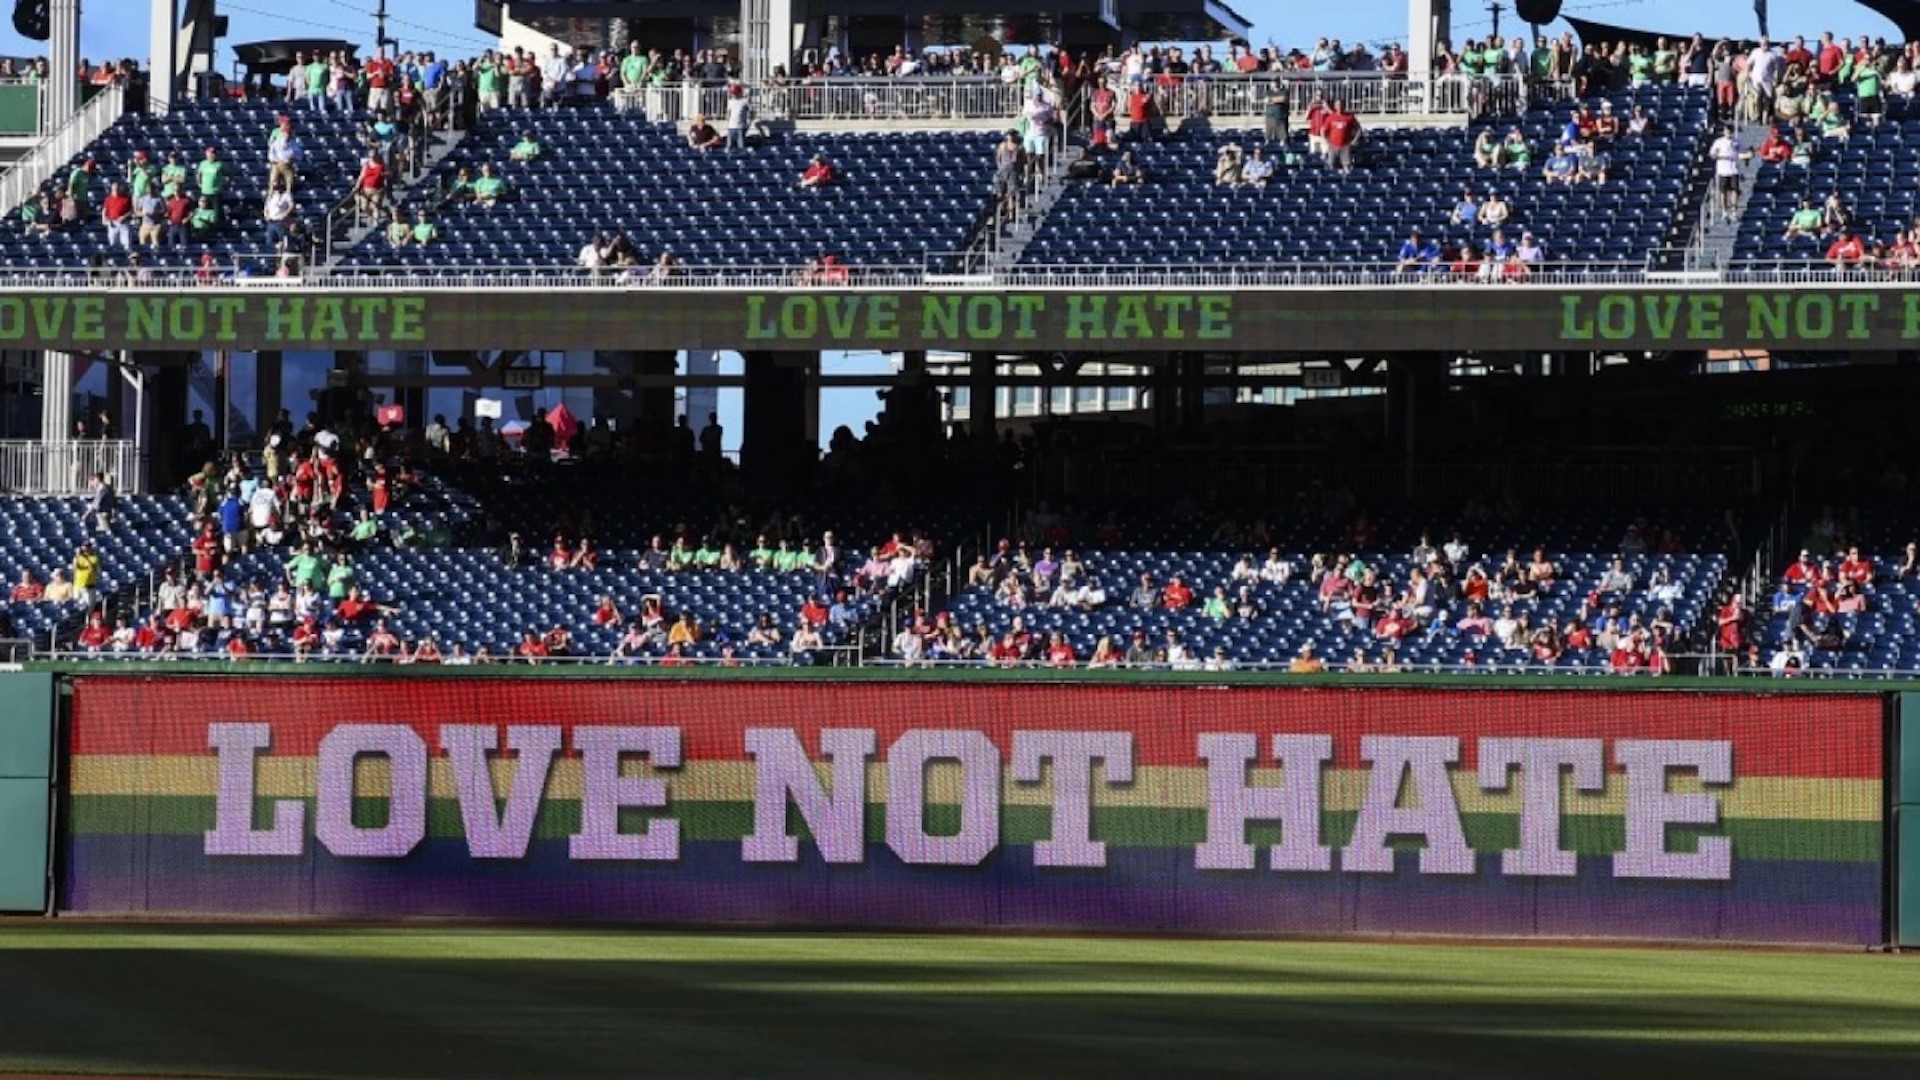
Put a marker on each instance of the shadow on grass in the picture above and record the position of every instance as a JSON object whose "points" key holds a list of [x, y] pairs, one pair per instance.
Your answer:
{"points": [[218, 1011]]}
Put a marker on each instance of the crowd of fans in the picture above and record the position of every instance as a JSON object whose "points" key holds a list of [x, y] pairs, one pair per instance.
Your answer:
{"points": [[1447, 592]]}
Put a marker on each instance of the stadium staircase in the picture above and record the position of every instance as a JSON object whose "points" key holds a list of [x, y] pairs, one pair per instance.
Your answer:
{"points": [[345, 228], [1714, 237]]}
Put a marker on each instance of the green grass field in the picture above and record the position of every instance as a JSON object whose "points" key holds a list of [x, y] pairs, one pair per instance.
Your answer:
{"points": [[481, 1003]]}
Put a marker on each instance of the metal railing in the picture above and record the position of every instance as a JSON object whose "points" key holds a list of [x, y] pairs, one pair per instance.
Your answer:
{"points": [[33, 467], [1244, 96], [38, 165], [939, 270]]}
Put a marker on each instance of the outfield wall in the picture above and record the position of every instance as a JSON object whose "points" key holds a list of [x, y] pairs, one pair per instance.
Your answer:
{"points": [[1134, 806]]}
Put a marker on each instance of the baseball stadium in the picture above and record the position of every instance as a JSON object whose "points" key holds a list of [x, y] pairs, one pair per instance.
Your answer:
{"points": [[615, 538]]}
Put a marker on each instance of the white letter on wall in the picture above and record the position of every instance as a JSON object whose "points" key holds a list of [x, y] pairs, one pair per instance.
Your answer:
{"points": [[605, 791], [406, 823], [979, 831], [489, 835], [1232, 802], [233, 832], [1423, 760], [1073, 754], [782, 771], [1540, 762], [1651, 808]]}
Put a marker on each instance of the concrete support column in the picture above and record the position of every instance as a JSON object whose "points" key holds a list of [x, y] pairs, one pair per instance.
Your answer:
{"points": [[63, 64], [1193, 391], [983, 399], [1164, 384], [779, 446], [266, 390], [56, 396]]}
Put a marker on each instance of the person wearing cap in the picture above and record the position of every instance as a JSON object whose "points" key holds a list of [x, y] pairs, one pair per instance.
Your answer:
{"points": [[284, 154], [86, 573], [1606, 126], [819, 173], [142, 177], [1529, 250]]}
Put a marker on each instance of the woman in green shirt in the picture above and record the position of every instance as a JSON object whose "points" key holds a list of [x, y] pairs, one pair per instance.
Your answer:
{"points": [[680, 557]]}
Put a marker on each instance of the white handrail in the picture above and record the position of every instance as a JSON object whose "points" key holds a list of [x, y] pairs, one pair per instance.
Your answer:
{"points": [[38, 166]]}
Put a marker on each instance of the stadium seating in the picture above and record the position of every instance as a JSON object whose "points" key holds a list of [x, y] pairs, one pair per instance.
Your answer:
{"points": [[1874, 172], [1404, 179], [900, 196], [1290, 614], [239, 130], [41, 535]]}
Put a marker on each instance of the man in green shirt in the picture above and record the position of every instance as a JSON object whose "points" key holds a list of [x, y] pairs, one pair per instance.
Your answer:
{"points": [[1805, 221], [424, 231], [1867, 101], [488, 189], [80, 186], [174, 174], [317, 73], [1639, 66], [486, 78], [211, 175], [399, 233], [633, 67], [305, 568], [141, 175], [340, 578], [205, 219]]}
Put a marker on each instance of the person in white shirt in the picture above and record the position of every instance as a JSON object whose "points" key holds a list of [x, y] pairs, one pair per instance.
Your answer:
{"points": [[1763, 74], [1245, 570], [1506, 626], [1725, 154], [1258, 168], [1616, 578], [739, 117], [901, 570], [1456, 551], [593, 254], [1276, 570], [555, 81], [277, 213]]}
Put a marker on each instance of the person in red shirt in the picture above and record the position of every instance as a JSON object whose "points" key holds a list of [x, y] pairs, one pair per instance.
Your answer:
{"points": [[370, 187], [608, 613], [356, 607], [149, 638], [1625, 659], [306, 637], [558, 641], [96, 635], [1140, 112], [116, 212], [676, 657], [1177, 596], [28, 589], [1847, 250], [1802, 571], [1578, 637], [379, 72], [1343, 133], [1777, 147], [238, 648], [382, 643], [1827, 68], [1060, 652], [206, 551], [1005, 652], [1732, 625], [1317, 114], [561, 557], [531, 648], [1855, 569], [428, 652], [819, 173], [379, 490], [814, 612]]}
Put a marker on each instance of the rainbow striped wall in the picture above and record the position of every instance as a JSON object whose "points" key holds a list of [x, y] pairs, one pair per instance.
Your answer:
{"points": [[1799, 812]]}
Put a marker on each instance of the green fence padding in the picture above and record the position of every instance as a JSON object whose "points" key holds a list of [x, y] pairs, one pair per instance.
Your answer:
{"points": [[26, 763], [19, 110]]}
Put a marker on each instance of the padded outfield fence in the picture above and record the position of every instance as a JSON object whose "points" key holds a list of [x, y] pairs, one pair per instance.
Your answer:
{"points": [[1208, 804]]}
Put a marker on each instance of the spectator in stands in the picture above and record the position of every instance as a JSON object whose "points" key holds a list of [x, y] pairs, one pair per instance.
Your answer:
{"points": [[1416, 253], [277, 212], [1127, 173], [488, 188], [1486, 150], [1595, 164], [1494, 211], [1806, 221], [28, 589], [210, 177], [1606, 126], [425, 232], [1305, 662], [284, 154], [1146, 596], [1259, 168], [1847, 251], [86, 574], [116, 213], [1515, 151], [1229, 167], [1777, 148], [527, 149], [1466, 211], [399, 229], [370, 186], [819, 173], [1562, 166], [1726, 156], [1343, 134], [702, 136]]}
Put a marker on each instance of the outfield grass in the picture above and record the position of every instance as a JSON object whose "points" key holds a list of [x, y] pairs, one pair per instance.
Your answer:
{"points": [[475, 1004]]}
